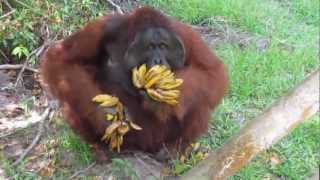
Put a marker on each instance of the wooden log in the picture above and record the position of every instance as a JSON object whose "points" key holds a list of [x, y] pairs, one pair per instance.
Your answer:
{"points": [[259, 134]]}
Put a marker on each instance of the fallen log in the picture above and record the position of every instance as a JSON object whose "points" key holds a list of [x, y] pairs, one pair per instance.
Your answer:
{"points": [[259, 134]]}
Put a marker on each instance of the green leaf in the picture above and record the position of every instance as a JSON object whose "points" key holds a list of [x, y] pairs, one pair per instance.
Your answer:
{"points": [[20, 51]]}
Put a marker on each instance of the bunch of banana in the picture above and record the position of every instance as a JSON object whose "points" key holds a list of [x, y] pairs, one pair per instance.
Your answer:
{"points": [[159, 82], [120, 125]]}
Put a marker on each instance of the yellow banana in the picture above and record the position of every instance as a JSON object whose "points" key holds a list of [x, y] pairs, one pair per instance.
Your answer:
{"points": [[138, 75], [134, 126], [113, 141], [116, 118], [102, 98], [110, 117], [167, 85], [154, 95], [169, 93], [154, 71], [119, 142], [151, 71], [171, 102], [111, 128], [123, 129], [166, 73], [106, 137], [119, 127], [106, 100], [152, 81], [168, 97], [142, 70], [136, 78], [120, 111]]}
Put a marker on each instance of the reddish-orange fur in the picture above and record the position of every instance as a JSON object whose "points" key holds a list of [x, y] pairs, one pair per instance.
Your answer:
{"points": [[69, 68]]}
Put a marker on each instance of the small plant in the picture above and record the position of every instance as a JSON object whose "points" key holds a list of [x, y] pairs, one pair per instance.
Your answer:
{"points": [[192, 156], [122, 169], [20, 51], [28, 103]]}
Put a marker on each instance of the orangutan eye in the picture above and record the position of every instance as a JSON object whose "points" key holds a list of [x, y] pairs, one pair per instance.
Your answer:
{"points": [[163, 45]]}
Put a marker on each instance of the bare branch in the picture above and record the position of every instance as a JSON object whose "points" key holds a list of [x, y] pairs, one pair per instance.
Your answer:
{"points": [[16, 66], [7, 14], [259, 134], [36, 139], [20, 73], [82, 171], [118, 8]]}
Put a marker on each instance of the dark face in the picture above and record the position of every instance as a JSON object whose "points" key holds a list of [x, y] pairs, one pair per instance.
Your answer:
{"points": [[155, 46], [151, 46]]}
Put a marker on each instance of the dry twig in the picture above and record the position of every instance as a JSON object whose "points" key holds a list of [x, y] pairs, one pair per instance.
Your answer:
{"points": [[37, 53], [20, 73], [5, 56], [77, 173], [7, 4], [36, 139], [118, 8]]}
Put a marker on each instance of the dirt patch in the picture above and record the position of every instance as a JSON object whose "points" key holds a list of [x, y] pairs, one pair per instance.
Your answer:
{"points": [[45, 160], [19, 123]]}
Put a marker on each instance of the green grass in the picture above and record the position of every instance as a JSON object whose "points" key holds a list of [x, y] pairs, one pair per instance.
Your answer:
{"points": [[299, 153], [259, 77], [268, 18], [70, 141], [16, 173]]}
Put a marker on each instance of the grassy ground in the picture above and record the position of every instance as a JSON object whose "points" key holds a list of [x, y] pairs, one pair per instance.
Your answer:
{"points": [[259, 75]]}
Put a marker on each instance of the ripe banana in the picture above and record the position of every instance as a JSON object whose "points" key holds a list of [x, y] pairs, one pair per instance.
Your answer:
{"points": [[159, 82], [169, 94], [169, 84], [106, 100], [135, 78], [154, 71], [168, 97], [138, 75], [155, 95], [142, 70], [110, 117], [123, 129], [110, 129], [120, 124], [152, 81], [134, 126]]}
